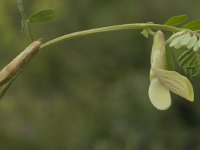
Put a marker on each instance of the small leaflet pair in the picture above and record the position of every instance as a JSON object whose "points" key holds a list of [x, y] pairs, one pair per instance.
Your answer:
{"points": [[163, 81], [12, 70]]}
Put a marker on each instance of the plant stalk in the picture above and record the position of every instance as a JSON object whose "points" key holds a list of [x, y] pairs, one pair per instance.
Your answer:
{"points": [[108, 29]]}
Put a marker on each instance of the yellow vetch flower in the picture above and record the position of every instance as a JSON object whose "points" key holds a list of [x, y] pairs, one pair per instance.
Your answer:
{"points": [[164, 81]]}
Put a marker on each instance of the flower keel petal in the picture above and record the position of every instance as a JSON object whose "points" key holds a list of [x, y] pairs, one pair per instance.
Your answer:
{"points": [[159, 95]]}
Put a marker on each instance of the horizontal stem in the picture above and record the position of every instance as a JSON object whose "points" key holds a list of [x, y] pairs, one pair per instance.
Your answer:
{"points": [[108, 29]]}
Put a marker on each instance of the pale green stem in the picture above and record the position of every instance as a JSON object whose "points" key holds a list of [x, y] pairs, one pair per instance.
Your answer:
{"points": [[108, 29]]}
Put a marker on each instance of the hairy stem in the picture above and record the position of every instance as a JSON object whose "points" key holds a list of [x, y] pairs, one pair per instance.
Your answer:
{"points": [[108, 29]]}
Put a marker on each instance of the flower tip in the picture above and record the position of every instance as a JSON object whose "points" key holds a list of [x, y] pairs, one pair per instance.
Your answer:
{"points": [[189, 90], [191, 97]]}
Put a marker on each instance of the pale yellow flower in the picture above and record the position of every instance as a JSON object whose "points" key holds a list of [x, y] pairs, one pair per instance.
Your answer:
{"points": [[164, 81]]}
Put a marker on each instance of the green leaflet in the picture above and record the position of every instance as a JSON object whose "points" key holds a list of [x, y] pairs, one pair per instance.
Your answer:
{"points": [[42, 16], [194, 25], [176, 20]]}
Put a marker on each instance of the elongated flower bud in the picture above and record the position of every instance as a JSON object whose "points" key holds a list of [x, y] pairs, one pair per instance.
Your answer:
{"points": [[18, 62], [158, 54], [158, 51]]}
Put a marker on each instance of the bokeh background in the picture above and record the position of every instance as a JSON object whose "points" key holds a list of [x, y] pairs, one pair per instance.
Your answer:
{"points": [[91, 93]]}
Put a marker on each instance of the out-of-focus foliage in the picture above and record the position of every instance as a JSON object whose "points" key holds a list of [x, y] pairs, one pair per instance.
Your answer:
{"points": [[91, 93]]}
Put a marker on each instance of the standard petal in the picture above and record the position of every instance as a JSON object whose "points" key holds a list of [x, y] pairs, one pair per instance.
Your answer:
{"points": [[158, 54], [159, 95], [176, 83]]}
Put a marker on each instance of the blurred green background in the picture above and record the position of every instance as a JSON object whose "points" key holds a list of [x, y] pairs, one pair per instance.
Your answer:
{"points": [[92, 93]]}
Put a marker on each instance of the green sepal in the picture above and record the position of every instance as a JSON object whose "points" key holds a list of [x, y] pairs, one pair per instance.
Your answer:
{"points": [[145, 33]]}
